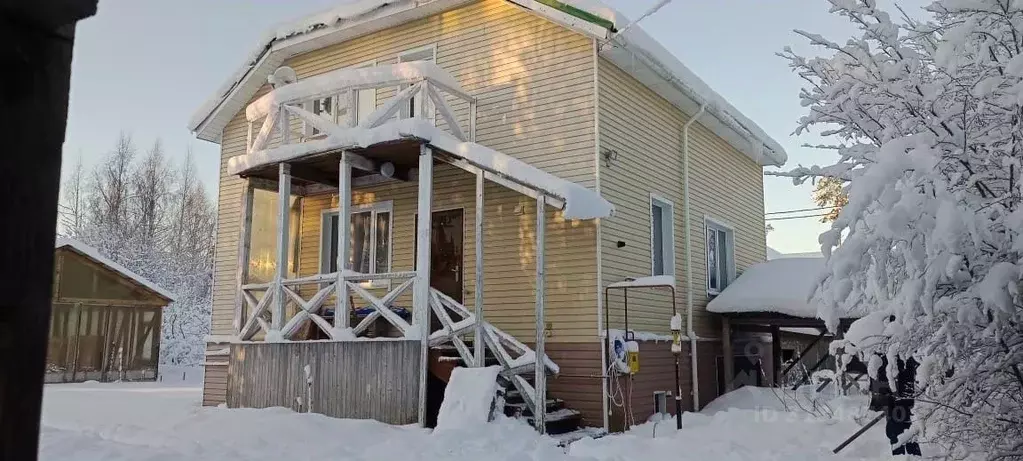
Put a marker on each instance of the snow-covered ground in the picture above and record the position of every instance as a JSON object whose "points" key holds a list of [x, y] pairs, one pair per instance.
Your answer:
{"points": [[160, 421]]}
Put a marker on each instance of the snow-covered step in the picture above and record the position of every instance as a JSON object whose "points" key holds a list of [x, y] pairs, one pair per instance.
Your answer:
{"points": [[561, 421], [579, 434], [514, 408]]}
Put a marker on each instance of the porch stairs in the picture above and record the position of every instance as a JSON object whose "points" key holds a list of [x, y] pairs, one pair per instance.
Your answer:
{"points": [[560, 419]]}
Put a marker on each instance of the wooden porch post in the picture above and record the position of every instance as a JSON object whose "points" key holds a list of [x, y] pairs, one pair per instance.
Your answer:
{"points": [[726, 351], [776, 354], [344, 217], [421, 301], [283, 226], [540, 368], [244, 246], [480, 352]]}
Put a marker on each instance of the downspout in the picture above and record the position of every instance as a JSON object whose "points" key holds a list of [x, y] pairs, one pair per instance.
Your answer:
{"points": [[689, 255]]}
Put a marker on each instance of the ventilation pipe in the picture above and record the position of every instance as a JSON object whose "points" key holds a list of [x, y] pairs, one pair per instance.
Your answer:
{"points": [[689, 254]]}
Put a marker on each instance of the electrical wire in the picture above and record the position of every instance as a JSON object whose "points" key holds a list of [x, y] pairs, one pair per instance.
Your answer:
{"points": [[801, 210], [783, 218]]}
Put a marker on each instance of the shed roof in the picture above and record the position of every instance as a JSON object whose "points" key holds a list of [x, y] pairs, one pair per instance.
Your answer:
{"points": [[782, 286], [95, 256], [633, 50]]}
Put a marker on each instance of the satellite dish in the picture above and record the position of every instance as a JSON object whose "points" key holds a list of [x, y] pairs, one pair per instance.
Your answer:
{"points": [[282, 76]]}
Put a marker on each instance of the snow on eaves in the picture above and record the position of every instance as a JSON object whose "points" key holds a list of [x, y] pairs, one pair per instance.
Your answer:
{"points": [[580, 202], [94, 254], [329, 18], [781, 286]]}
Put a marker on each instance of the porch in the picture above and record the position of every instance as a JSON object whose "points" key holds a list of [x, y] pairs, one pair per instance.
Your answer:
{"points": [[312, 139]]}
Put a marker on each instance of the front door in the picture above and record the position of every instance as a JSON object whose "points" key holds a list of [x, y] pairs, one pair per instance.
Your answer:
{"points": [[446, 253]]}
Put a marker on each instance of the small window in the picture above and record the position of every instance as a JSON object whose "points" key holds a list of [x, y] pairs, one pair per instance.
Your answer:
{"points": [[720, 260], [428, 53], [662, 237], [323, 107], [370, 240]]}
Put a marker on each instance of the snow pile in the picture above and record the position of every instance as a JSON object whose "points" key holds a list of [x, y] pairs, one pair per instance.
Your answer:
{"points": [[468, 398], [580, 202], [783, 286]]}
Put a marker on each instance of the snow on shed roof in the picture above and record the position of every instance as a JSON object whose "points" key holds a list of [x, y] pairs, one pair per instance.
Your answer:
{"points": [[580, 202], [95, 255], [782, 286], [684, 89]]}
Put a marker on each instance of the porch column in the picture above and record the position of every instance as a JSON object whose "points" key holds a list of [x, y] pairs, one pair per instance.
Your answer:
{"points": [[344, 217], [540, 368], [480, 351], [421, 301], [726, 351], [283, 226], [242, 266]]}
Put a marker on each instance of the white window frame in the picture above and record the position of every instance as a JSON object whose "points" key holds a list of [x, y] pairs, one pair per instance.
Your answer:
{"points": [[402, 57], [719, 225], [336, 104], [667, 232], [358, 94], [386, 206], [308, 130]]}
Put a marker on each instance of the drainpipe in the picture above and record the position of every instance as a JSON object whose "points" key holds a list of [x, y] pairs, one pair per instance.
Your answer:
{"points": [[689, 254]]}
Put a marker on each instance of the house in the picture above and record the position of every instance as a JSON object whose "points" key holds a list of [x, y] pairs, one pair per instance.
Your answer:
{"points": [[501, 162], [105, 321]]}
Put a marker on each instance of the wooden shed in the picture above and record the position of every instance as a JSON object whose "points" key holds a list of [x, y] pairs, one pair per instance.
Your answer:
{"points": [[106, 320]]}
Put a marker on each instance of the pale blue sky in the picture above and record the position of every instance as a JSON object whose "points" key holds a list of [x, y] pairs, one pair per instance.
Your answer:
{"points": [[144, 66]]}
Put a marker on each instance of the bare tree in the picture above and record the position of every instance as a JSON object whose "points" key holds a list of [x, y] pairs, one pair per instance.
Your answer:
{"points": [[109, 190], [72, 207], [150, 191]]}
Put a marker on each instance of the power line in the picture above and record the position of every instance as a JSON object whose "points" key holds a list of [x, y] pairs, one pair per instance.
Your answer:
{"points": [[802, 210], [783, 218]]}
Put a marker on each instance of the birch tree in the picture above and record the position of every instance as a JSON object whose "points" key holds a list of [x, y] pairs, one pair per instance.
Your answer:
{"points": [[924, 117]]}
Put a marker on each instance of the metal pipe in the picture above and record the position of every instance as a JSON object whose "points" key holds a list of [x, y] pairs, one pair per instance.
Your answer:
{"points": [[689, 254]]}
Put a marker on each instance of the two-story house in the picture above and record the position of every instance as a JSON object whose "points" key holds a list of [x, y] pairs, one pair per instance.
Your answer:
{"points": [[499, 163]]}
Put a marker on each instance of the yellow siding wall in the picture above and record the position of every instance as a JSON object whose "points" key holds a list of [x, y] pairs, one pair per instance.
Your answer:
{"points": [[534, 82], [646, 131]]}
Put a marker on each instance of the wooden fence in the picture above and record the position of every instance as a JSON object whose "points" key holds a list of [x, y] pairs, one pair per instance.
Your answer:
{"points": [[345, 379]]}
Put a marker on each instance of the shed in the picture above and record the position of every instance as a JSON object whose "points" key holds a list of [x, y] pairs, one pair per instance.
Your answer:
{"points": [[106, 320]]}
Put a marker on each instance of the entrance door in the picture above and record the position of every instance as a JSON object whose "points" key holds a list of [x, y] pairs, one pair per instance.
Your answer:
{"points": [[446, 253]]}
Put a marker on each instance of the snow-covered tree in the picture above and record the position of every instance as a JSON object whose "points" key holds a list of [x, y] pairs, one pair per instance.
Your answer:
{"points": [[925, 118], [158, 221]]}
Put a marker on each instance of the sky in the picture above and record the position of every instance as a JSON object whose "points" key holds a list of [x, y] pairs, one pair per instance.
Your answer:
{"points": [[144, 66]]}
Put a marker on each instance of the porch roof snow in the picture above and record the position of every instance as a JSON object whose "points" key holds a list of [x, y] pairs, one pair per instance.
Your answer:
{"points": [[782, 286], [95, 255], [580, 202], [334, 81]]}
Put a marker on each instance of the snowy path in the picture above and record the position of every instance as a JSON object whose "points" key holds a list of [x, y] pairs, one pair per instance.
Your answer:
{"points": [[91, 422]]}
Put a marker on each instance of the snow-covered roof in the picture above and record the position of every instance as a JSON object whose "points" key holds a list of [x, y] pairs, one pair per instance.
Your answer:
{"points": [[633, 50], [95, 255], [782, 286], [650, 281], [580, 202]]}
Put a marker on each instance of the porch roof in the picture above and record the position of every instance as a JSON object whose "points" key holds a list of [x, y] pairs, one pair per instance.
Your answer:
{"points": [[579, 202], [781, 286]]}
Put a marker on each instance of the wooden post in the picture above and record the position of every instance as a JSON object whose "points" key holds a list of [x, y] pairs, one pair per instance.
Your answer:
{"points": [[726, 351], [776, 354], [344, 217], [283, 228], [472, 120], [540, 369], [285, 122], [353, 117], [480, 351], [244, 246], [421, 301]]}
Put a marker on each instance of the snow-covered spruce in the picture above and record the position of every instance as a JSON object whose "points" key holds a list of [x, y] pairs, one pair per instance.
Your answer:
{"points": [[925, 118]]}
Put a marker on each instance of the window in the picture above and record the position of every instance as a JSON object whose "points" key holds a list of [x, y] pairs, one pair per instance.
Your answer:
{"points": [[662, 237], [365, 99], [720, 260], [334, 108], [323, 107], [370, 239], [427, 53]]}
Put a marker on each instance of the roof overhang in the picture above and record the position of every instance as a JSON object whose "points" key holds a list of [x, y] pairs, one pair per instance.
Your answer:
{"points": [[633, 51]]}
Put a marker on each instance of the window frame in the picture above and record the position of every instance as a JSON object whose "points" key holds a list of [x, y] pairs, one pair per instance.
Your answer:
{"points": [[383, 206], [432, 49], [719, 226], [668, 234], [335, 105]]}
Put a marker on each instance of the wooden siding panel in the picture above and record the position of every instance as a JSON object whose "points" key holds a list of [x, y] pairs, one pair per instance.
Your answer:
{"points": [[534, 83], [646, 131]]}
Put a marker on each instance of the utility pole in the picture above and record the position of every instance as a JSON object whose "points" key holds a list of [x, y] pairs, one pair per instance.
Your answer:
{"points": [[37, 37]]}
